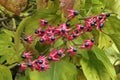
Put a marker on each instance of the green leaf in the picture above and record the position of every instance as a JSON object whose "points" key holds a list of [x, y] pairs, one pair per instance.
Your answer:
{"points": [[88, 4], [112, 53], [116, 40], [7, 49], [83, 53], [41, 47], [104, 59], [53, 6], [112, 25], [93, 68], [2, 59], [5, 73], [58, 43], [60, 70], [104, 41], [115, 6], [113, 30], [81, 75]]}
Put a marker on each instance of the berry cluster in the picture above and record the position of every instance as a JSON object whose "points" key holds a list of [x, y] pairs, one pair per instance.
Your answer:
{"points": [[50, 34]]}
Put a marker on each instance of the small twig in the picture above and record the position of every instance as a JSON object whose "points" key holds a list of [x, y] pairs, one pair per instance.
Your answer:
{"points": [[28, 14], [14, 16], [3, 19], [106, 33], [8, 28], [14, 23], [116, 61], [84, 18]]}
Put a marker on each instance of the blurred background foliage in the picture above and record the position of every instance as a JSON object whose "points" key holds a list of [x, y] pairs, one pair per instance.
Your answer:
{"points": [[20, 18]]}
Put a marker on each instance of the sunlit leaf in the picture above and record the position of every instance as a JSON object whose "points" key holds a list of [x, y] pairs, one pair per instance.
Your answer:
{"points": [[115, 6], [94, 68], [116, 39], [81, 75], [7, 49], [113, 30], [60, 70], [112, 53], [5, 73], [100, 54], [53, 5], [104, 41]]}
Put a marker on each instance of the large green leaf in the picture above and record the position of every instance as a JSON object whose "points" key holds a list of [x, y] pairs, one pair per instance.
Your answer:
{"points": [[53, 5], [94, 68], [112, 25], [58, 43], [81, 75], [116, 40], [104, 41], [5, 73], [100, 54], [115, 5], [7, 49], [112, 29], [60, 70], [112, 53]]}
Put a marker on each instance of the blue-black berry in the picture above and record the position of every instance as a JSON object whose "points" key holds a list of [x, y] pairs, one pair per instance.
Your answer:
{"points": [[76, 12], [74, 50]]}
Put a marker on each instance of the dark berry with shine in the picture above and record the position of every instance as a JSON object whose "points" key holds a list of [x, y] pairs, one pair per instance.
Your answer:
{"points": [[59, 53], [18, 65], [45, 22], [68, 24], [101, 25], [42, 31], [107, 14], [52, 38], [49, 34], [63, 30], [76, 12], [74, 50], [29, 65], [49, 58], [23, 56], [92, 40], [100, 17], [41, 40], [76, 31], [92, 23], [74, 35], [36, 31], [81, 27], [42, 66], [25, 39], [40, 61], [86, 44]]}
